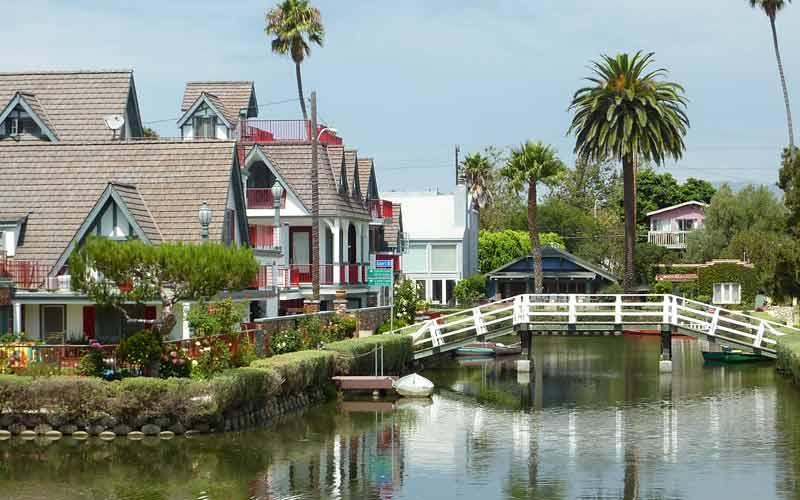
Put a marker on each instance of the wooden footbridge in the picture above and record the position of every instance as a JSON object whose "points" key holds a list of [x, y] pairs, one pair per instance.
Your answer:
{"points": [[538, 314]]}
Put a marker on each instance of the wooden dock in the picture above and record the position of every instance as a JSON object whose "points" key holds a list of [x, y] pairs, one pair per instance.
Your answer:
{"points": [[365, 383]]}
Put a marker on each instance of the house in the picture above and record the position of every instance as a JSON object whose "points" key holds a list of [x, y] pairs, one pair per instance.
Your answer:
{"points": [[278, 154], [441, 232], [563, 273], [727, 282], [95, 180], [670, 225]]}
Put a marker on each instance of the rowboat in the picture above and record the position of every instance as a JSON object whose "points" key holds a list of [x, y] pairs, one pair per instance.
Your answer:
{"points": [[488, 349], [728, 355], [413, 386]]}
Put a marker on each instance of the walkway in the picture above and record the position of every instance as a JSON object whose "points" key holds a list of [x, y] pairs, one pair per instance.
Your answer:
{"points": [[594, 312]]}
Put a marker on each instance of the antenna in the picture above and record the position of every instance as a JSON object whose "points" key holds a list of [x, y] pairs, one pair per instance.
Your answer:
{"points": [[114, 122]]}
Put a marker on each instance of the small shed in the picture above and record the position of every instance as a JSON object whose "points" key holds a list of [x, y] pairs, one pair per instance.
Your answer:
{"points": [[563, 273]]}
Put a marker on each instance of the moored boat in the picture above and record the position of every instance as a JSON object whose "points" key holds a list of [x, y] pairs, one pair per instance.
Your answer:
{"points": [[728, 355], [413, 386], [488, 349]]}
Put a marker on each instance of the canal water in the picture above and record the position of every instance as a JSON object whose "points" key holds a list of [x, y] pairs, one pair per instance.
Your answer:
{"points": [[594, 421]]}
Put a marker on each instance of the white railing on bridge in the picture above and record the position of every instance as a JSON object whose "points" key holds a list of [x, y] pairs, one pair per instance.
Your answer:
{"points": [[540, 311]]}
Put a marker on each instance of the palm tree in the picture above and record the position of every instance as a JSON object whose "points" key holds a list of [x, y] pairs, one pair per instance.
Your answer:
{"points": [[771, 9], [528, 165], [628, 114], [478, 172], [295, 25]]}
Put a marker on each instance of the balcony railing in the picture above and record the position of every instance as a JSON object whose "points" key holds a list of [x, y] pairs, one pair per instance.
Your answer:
{"points": [[292, 131], [262, 198], [267, 279], [25, 273], [264, 237], [347, 274], [380, 209], [668, 239]]}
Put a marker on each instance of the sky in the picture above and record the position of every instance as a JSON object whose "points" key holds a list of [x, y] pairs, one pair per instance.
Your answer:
{"points": [[404, 82]]}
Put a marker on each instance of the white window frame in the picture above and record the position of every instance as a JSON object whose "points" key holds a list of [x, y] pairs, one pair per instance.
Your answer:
{"points": [[694, 224], [727, 293]]}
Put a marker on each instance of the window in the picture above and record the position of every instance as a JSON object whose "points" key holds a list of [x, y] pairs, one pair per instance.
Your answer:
{"points": [[727, 293], [415, 260], [2, 241], [687, 224], [13, 126], [205, 127], [661, 225], [449, 287], [436, 296], [443, 259]]}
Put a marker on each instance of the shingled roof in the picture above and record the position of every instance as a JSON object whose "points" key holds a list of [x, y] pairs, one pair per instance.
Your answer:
{"points": [[351, 166], [365, 166], [231, 96], [392, 232], [293, 163], [162, 182], [74, 103]]}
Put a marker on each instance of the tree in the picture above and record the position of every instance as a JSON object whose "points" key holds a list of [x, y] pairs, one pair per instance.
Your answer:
{"points": [[121, 274], [295, 25], [627, 114], [697, 190], [654, 191], [771, 9], [789, 181], [496, 249], [478, 172], [149, 133], [589, 186], [530, 164]]}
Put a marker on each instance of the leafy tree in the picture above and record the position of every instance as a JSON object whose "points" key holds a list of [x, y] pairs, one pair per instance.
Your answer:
{"points": [[294, 26], [468, 290], [648, 259], [627, 114], [529, 165], [589, 186], [771, 9], [496, 249], [118, 274], [789, 181], [762, 248], [697, 190], [150, 133], [478, 171]]}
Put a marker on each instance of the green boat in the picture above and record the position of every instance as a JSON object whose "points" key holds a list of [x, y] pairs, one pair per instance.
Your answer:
{"points": [[474, 351], [728, 355]]}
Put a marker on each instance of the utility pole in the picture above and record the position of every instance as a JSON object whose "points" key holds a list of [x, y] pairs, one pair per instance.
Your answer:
{"points": [[458, 150], [314, 203]]}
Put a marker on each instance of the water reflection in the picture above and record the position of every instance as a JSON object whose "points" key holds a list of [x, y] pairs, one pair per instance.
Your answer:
{"points": [[594, 420]]}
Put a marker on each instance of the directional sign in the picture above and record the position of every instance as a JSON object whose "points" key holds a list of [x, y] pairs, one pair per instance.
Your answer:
{"points": [[384, 263], [379, 282], [379, 273]]}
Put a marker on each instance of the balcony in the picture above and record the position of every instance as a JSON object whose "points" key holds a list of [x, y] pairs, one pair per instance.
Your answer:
{"points": [[348, 274], [30, 274], [266, 279], [262, 198], [264, 237], [381, 211], [668, 239], [286, 131]]}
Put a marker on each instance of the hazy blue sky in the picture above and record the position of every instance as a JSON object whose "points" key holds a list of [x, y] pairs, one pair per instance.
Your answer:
{"points": [[405, 81]]}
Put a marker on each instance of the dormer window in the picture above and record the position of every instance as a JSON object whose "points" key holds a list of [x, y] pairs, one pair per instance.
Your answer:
{"points": [[13, 126], [205, 127]]}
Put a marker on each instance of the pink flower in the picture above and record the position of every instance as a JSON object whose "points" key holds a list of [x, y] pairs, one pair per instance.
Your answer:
{"points": [[174, 361], [173, 353]]}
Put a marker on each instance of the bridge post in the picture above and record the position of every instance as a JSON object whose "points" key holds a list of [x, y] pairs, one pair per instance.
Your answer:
{"points": [[665, 360], [526, 339]]}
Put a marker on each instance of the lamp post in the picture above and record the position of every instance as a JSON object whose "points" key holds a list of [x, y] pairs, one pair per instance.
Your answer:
{"points": [[205, 219], [277, 197]]}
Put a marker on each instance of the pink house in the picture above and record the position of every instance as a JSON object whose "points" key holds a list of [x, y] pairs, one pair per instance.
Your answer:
{"points": [[669, 226]]}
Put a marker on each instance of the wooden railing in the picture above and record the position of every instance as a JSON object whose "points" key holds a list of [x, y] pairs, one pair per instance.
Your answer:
{"points": [[381, 209], [262, 198], [669, 239], [291, 131], [26, 273]]}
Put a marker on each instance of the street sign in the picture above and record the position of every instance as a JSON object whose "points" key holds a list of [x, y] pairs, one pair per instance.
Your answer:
{"points": [[379, 273], [384, 263], [379, 281]]}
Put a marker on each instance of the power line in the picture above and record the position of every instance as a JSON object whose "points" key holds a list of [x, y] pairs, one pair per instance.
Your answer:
{"points": [[266, 104]]}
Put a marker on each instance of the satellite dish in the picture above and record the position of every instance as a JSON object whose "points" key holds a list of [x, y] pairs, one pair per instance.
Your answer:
{"points": [[114, 122]]}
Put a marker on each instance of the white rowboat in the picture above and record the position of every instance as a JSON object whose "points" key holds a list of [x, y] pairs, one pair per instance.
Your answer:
{"points": [[414, 386]]}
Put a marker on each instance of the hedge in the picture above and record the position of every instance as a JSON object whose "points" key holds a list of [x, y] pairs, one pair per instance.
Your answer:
{"points": [[722, 272], [301, 370], [788, 354], [355, 358]]}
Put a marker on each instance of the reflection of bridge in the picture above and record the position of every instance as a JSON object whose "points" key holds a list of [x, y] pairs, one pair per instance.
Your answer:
{"points": [[583, 313]]}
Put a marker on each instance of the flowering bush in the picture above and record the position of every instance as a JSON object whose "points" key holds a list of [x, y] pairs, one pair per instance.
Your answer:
{"points": [[406, 300], [342, 327], [93, 364], [175, 363], [141, 349], [215, 318], [285, 342], [215, 357]]}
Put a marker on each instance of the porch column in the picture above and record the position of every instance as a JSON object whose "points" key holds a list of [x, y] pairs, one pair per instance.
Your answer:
{"points": [[17, 306], [345, 257], [284, 240], [185, 331], [359, 254], [244, 186], [336, 232]]}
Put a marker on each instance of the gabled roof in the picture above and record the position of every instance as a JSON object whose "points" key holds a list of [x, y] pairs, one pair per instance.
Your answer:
{"points": [[336, 159], [233, 97], [351, 165], [76, 102], [293, 163], [212, 102], [56, 186], [31, 105], [365, 171], [679, 205], [393, 231], [551, 251]]}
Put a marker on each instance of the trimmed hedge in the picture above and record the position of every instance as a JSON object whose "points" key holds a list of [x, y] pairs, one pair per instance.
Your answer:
{"points": [[355, 355], [301, 370], [788, 353]]}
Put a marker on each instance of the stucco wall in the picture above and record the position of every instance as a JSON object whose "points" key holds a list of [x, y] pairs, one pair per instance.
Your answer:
{"points": [[688, 212]]}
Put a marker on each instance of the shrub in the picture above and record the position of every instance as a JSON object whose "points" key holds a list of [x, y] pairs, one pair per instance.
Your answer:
{"points": [[312, 330], [662, 287], [387, 326], [343, 327], [300, 371], [356, 356], [406, 300], [245, 353], [175, 363], [12, 338], [245, 387], [215, 318], [92, 363], [141, 349], [72, 398], [285, 341], [613, 289], [140, 398], [468, 290], [215, 357]]}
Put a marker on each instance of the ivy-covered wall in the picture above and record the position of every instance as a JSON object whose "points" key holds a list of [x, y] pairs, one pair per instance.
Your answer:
{"points": [[720, 272]]}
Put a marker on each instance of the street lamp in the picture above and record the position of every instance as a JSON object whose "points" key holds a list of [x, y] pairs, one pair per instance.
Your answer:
{"points": [[277, 197], [205, 219]]}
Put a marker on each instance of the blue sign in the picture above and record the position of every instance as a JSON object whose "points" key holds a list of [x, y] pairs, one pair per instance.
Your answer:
{"points": [[384, 263]]}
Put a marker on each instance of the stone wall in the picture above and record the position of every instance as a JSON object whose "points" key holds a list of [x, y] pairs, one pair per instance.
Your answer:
{"points": [[369, 319], [29, 425]]}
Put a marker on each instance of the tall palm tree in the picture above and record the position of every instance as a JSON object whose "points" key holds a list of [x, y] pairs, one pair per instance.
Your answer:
{"points": [[478, 172], [628, 114], [528, 165], [295, 25], [771, 9]]}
